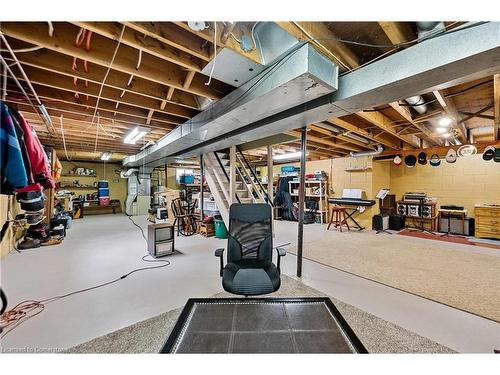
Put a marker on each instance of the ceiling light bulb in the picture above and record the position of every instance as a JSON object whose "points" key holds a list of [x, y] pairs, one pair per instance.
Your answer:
{"points": [[106, 155], [441, 130], [445, 121]]}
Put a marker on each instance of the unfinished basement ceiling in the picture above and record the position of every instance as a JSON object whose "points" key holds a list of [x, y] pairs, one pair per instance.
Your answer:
{"points": [[157, 80]]}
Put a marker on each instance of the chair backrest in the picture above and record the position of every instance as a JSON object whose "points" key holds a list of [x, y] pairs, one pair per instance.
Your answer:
{"points": [[250, 232]]}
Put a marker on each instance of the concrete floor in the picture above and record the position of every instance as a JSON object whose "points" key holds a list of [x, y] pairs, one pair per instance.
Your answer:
{"points": [[101, 248]]}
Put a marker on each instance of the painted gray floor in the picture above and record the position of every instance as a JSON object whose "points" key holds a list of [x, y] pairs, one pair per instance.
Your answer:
{"points": [[100, 248]]}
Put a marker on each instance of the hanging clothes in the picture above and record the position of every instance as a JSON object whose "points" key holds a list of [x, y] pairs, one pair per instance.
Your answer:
{"points": [[12, 168], [38, 159]]}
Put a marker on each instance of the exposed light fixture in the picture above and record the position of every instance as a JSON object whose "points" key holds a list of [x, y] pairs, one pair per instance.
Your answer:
{"points": [[444, 121], [106, 155], [441, 130], [290, 155], [137, 133]]}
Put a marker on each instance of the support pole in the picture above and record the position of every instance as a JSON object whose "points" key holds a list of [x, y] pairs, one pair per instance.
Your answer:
{"points": [[270, 172], [232, 174], [302, 183], [202, 177], [166, 174]]}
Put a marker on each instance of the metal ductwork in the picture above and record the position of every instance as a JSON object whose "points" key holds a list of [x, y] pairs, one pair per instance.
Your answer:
{"points": [[378, 151], [414, 100], [470, 52], [426, 28], [343, 132], [301, 75]]}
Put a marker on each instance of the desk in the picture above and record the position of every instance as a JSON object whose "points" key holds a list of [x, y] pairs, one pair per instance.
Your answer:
{"points": [[262, 325]]}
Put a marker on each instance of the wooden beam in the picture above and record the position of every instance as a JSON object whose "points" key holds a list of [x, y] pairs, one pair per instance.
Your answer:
{"points": [[69, 112], [406, 114], [65, 101], [450, 109], [61, 82], [343, 138], [322, 37], [151, 68], [189, 78], [496, 103], [132, 38], [397, 32], [150, 114], [332, 143], [469, 115], [385, 124], [208, 35], [55, 62], [172, 35]]}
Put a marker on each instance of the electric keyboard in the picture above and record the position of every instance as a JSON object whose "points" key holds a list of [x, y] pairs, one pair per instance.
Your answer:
{"points": [[351, 201]]}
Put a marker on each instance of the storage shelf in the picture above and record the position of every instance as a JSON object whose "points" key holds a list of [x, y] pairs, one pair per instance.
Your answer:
{"points": [[309, 182], [78, 175], [308, 195], [78, 187]]}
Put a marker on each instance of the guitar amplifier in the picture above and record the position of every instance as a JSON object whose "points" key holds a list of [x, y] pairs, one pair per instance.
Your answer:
{"points": [[456, 226], [380, 222]]}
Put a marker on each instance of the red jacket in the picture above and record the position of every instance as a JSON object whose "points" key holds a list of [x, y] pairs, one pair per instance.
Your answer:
{"points": [[38, 159]]}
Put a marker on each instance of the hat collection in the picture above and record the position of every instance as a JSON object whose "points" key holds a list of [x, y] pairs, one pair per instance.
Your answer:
{"points": [[451, 157]]}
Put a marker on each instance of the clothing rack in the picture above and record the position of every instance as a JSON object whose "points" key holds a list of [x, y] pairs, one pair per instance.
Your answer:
{"points": [[41, 111]]}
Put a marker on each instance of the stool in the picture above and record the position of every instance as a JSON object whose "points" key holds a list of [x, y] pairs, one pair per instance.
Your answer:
{"points": [[338, 218]]}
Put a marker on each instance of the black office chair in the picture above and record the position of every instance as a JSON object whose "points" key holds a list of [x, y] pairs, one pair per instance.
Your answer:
{"points": [[249, 270]]}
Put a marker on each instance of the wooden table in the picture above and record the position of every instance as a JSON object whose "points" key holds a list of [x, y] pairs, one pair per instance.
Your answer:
{"points": [[94, 209]]}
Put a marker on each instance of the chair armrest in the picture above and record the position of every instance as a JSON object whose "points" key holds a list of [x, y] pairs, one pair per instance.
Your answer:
{"points": [[281, 253], [219, 253]]}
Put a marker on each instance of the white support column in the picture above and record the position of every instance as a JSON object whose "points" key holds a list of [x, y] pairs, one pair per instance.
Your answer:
{"points": [[232, 174], [270, 172]]}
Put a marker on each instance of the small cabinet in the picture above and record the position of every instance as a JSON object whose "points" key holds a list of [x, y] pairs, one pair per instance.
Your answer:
{"points": [[487, 221]]}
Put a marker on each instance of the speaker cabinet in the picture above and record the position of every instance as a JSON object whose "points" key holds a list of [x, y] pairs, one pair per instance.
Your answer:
{"points": [[413, 210], [426, 211], [402, 209], [380, 222], [396, 222]]}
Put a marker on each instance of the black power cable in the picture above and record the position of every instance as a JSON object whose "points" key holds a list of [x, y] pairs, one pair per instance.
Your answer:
{"points": [[29, 308]]}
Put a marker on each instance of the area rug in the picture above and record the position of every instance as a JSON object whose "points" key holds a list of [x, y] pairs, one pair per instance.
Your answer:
{"points": [[378, 335], [451, 238], [447, 273]]}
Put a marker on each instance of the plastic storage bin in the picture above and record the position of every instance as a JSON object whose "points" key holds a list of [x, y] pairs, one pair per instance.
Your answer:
{"points": [[103, 192], [104, 201], [102, 184], [220, 229]]}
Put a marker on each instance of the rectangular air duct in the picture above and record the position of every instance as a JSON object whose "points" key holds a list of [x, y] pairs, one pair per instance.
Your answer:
{"points": [[301, 75]]}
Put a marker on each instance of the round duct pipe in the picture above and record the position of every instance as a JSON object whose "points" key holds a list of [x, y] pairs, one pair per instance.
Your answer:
{"points": [[428, 27], [414, 100], [378, 151]]}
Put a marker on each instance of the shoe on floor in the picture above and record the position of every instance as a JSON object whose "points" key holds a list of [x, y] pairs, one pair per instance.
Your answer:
{"points": [[29, 243], [52, 241]]}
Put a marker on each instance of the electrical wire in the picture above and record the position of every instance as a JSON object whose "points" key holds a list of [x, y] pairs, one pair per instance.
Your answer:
{"points": [[23, 50], [215, 56], [25, 310], [63, 138]]}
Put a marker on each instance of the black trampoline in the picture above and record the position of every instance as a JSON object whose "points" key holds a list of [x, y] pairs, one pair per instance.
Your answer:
{"points": [[262, 325]]}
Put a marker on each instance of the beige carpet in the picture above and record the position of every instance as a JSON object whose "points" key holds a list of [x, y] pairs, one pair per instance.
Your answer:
{"points": [[443, 272], [378, 335]]}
